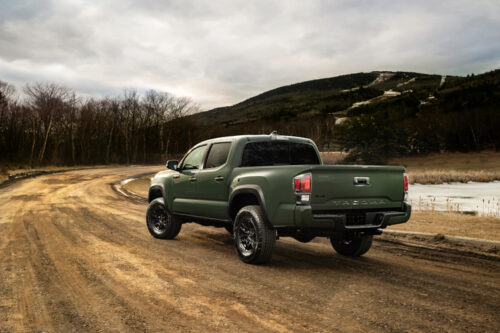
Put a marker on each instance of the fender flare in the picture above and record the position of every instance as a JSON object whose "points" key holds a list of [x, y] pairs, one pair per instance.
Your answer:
{"points": [[158, 187], [249, 189]]}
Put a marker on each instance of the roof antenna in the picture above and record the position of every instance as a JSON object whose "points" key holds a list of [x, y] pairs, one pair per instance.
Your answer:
{"points": [[274, 132]]}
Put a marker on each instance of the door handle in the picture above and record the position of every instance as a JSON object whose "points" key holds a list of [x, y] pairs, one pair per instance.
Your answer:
{"points": [[219, 178], [193, 179]]}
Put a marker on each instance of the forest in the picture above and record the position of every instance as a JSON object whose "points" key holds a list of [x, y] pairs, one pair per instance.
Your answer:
{"points": [[52, 125]]}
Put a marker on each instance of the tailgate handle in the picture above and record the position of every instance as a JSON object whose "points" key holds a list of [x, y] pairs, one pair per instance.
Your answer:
{"points": [[361, 181]]}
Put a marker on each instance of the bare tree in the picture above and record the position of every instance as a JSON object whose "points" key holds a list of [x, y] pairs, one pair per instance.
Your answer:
{"points": [[51, 124], [111, 109], [7, 92], [48, 100]]}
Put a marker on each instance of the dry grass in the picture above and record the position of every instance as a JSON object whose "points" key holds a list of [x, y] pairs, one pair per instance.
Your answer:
{"points": [[485, 160], [448, 176], [452, 167], [332, 157], [453, 224], [488, 207]]}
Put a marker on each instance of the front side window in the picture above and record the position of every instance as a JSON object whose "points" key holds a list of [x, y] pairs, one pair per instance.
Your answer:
{"points": [[194, 158], [278, 153], [218, 155]]}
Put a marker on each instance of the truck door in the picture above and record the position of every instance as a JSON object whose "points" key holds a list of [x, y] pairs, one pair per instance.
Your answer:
{"points": [[211, 183], [184, 188]]}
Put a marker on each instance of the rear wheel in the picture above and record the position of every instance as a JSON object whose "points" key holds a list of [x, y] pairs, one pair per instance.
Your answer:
{"points": [[253, 237], [351, 245], [162, 224]]}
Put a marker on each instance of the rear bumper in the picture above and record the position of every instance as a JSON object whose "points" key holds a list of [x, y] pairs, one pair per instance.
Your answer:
{"points": [[304, 218]]}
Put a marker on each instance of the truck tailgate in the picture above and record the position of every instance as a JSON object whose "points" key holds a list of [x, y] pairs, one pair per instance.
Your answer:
{"points": [[339, 187]]}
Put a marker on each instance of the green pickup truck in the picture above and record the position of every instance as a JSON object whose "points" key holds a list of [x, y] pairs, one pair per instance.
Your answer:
{"points": [[262, 187]]}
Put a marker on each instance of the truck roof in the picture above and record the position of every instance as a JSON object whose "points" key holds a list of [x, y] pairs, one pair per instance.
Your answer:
{"points": [[258, 137]]}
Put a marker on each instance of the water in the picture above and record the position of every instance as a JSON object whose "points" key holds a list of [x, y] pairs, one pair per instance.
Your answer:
{"points": [[473, 198]]}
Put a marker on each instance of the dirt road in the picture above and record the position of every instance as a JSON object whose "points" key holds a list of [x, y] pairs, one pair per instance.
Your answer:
{"points": [[76, 256]]}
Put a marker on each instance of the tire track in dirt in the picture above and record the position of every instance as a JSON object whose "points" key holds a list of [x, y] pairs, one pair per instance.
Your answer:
{"points": [[77, 256]]}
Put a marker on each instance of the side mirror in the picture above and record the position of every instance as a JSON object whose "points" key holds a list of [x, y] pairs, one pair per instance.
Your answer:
{"points": [[172, 164]]}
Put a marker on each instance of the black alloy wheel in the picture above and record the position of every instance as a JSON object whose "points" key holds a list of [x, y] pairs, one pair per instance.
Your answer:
{"points": [[160, 223], [246, 236], [254, 239]]}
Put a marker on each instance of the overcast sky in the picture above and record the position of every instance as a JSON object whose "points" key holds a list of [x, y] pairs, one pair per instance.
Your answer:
{"points": [[221, 52]]}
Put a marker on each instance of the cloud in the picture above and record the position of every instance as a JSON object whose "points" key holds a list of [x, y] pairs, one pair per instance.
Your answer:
{"points": [[221, 52]]}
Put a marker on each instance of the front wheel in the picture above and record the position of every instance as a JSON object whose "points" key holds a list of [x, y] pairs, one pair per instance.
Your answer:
{"points": [[161, 224], [253, 237], [351, 245]]}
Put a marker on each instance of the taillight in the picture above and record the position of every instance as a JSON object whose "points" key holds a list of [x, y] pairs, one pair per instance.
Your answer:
{"points": [[296, 182], [302, 183], [302, 187], [405, 179]]}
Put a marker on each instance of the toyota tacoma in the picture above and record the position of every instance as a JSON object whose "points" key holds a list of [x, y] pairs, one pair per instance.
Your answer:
{"points": [[262, 187]]}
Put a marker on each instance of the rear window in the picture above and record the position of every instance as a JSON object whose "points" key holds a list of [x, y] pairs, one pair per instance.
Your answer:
{"points": [[218, 154], [278, 153]]}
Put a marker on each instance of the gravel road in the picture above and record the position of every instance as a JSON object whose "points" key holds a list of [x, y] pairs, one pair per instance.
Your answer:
{"points": [[75, 255]]}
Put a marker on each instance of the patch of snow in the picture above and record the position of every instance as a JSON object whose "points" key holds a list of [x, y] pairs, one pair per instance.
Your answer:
{"points": [[443, 79], [340, 121], [355, 105], [387, 94], [430, 98], [405, 83], [349, 90], [384, 76], [391, 93]]}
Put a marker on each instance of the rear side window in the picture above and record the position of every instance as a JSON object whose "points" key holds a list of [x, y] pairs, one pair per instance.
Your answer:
{"points": [[278, 153], [218, 154]]}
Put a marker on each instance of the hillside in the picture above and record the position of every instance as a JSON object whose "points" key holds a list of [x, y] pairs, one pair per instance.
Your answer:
{"points": [[317, 97], [373, 115]]}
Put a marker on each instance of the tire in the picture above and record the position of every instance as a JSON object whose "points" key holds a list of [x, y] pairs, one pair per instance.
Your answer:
{"points": [[254, 239], [160, 223], [350, 245]]}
